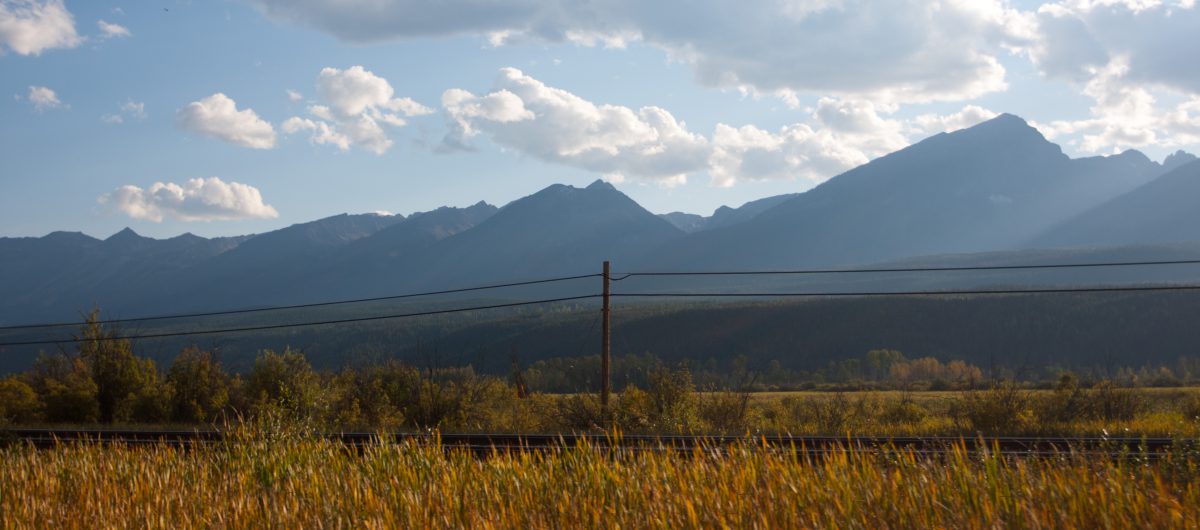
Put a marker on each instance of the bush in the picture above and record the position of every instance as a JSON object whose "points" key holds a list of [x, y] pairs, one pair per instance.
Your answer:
{"points": [[904, 411], [18, 402], [725, 411], [1002, 409]]}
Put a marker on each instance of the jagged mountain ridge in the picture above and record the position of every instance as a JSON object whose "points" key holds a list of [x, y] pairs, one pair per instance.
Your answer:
{"points": [[992, 187]]}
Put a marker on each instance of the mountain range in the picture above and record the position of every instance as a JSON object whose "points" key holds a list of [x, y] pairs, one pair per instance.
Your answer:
{"points": [[997, 186]]}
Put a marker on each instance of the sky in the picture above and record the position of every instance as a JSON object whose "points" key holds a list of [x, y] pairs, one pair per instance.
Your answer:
{"points": [[227, 117]]}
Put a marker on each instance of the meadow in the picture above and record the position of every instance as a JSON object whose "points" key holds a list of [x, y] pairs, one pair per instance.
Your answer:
{"points": [[301, 482]]}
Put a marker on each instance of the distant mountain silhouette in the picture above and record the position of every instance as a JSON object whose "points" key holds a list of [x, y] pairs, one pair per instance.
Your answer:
{"points": [[65, 273], [1166, 210], [989, 187], [724, 216], [687, 222], [998, 186], [558, 230]]}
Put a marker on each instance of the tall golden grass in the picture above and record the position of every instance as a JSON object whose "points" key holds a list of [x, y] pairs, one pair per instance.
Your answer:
{"points": [[295, 482]]}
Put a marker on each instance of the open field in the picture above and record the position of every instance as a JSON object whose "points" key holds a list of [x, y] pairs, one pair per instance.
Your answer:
{"points": [[299, 482]]}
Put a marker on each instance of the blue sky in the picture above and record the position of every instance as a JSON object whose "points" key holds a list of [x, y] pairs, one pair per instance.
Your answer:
{"points": [[176, 116]]}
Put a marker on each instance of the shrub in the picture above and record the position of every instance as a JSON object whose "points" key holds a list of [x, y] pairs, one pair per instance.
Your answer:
{"points": [[18, 402], [1004, 408]]}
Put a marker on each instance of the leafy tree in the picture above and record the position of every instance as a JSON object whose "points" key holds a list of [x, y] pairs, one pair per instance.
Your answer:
{"points": [[284, 380], [66, 387], [200, 386], [125, 384]]}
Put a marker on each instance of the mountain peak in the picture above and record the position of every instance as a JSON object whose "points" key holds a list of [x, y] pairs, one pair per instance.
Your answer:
{"points": [[127, 234], [1177, 159], [600, 184], [1007, 123]]}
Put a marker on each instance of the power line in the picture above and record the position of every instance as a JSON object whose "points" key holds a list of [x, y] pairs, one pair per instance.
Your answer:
{"points": [[583, 276], [301, 306], [625, 275], [628, 295], [298, 324], [1050, 290]]}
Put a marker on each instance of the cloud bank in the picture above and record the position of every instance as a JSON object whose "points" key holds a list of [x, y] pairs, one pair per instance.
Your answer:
{"points": [[650, 145], [918, 50]]}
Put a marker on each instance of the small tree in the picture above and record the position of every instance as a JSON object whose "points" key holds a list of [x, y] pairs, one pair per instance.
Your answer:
{"points": [[200, 386], [124, 383], [284, 380]]}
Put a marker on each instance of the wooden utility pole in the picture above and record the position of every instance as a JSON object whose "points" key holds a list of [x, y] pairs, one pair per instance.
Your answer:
{"points": [[605, 347]]}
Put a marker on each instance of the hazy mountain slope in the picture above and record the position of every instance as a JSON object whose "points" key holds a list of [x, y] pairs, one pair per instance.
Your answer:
{"points": [[262, 268], [724, 216], [380, 263], [688, 222], [1163, 211], [558, 230], [62, 274], [989, 187]]}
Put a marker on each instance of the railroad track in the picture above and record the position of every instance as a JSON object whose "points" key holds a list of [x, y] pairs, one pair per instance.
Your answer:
{"points": [[484, 444]]}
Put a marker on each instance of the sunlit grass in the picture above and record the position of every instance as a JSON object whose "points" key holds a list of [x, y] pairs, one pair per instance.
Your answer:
{"points": [[296, 482]]}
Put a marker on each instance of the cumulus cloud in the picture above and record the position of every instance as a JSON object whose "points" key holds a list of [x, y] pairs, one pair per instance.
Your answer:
{"points": [[199, 199], [43, 98], [895, 50], [1126, 115], [356, 102], [650, 145], [217, 116], [29, 27], [552, 124], [110, 31], [843, 134], [294, 96], [1128, 57]]}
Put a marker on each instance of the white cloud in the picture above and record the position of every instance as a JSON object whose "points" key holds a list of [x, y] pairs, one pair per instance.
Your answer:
{"points": [[112, 31], [322, 132], [137, 109], [131, 108], [29, 27], [1126, 115], [198, 199], [358, 101], [845, 134], [217, 116], [524, 115], [970, 115], [1128, 57], [885, 50], [552, 124], [1154, 39], [294, 96], [43, 98]]}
